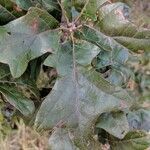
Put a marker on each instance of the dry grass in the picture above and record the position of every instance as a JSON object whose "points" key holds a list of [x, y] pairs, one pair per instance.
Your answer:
{"points": [[24, 138]]}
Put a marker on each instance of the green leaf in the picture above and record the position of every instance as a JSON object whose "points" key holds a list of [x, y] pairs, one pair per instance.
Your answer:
{"points": [[134, 43], [4, 71], [117, 73], [104, 42], [64, 105], [78, 102], [114, 123], [63, 139], [9, 11], [27, 38], [63, 60], [80, 95], [24, 4], [108, 58], [114, 21], [27, 87], [112, 53], [47, 4], [5, 15], [60, 140], [50, 4], [139, 119], [22, 86], [135, 140], [17, 99]]}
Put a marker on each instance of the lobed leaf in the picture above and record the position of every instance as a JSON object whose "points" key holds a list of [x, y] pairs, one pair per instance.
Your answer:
{"points": [[78, 101], [27, 38]]}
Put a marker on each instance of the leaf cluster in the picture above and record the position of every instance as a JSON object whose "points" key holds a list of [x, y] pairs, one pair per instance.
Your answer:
{"points": [[65, 67]]}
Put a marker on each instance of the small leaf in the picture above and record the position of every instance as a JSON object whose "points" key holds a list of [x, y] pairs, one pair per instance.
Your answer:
{"points": [[115, 124]]}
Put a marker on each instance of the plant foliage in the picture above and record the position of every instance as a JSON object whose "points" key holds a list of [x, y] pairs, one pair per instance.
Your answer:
{"points": [[64, 67]]}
